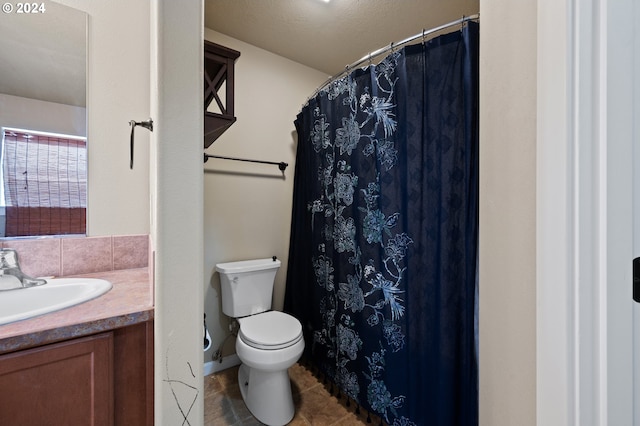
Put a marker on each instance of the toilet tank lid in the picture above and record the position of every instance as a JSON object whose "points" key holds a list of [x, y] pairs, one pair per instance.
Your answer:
{"points": [[248, 265]]}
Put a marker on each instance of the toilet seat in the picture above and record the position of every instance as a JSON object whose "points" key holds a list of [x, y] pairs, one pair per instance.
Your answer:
{"points": [[270, 330]]}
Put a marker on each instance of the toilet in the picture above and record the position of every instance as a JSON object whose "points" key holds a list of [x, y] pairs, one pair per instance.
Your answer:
{"points": [[268, 342]]}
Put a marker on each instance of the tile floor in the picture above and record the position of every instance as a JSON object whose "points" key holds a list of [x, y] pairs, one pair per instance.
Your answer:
{"points": [[314, 403]]}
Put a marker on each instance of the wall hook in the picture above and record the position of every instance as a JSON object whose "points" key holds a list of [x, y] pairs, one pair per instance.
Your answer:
{"points": [[147, 125]]}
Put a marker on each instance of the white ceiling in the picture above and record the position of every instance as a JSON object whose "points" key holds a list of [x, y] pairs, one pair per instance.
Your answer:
{"points": [[44, 55], [329, 36]]}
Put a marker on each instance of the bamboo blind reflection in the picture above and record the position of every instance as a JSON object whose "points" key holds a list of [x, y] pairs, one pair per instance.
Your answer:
{"points": [[45, 184]]}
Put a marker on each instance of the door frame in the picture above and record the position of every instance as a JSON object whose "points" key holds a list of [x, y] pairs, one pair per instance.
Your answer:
{"points": [[584, 212]]}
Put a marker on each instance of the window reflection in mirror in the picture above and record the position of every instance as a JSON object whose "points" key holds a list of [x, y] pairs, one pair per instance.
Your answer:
{"points": [[43, 122], [44, 183]]}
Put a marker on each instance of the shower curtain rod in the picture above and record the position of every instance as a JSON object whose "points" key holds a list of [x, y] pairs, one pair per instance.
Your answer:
{"points": [[375, 53]]}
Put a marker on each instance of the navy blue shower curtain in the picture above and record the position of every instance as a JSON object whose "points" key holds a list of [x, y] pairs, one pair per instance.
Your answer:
{"points": [[382, 260]]}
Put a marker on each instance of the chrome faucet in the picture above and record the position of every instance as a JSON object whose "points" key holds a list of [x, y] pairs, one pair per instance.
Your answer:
{"points": [[11, 277]]}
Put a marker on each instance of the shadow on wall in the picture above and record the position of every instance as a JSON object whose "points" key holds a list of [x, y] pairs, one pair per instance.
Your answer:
{"points": [[281, 175], [294, 143], [225, 346], [277, 175]]}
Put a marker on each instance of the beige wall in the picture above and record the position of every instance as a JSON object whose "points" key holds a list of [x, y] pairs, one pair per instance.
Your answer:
{"points": [[247, 206], [507, 212], [31, 114]]}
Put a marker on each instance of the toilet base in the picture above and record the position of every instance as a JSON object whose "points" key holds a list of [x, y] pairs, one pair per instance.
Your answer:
{"points": [[267, 395]]}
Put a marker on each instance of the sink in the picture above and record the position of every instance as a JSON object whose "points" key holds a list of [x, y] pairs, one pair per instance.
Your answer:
{"points": [[58, 293]]}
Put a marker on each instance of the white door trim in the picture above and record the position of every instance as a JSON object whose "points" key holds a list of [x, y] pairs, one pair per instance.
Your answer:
{"points": [[584, 151], [636, 207], [554, 236]]}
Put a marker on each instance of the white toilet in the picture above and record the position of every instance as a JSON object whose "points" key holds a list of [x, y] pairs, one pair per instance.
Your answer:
{"points": [[268, 343]]}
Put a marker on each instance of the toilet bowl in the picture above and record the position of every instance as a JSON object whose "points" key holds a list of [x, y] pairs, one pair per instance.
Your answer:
{"points": [[266, 357], [268, 342]]}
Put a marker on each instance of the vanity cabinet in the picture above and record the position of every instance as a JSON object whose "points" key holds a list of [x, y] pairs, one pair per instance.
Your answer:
{"points": [[69, 383], [101, 379]]}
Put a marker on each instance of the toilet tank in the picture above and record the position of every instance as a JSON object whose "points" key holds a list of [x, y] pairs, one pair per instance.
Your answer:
{"points": [[247, 286]]}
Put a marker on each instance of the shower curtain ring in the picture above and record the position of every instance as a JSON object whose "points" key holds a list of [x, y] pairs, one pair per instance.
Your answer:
{"points": [[423, 35]]}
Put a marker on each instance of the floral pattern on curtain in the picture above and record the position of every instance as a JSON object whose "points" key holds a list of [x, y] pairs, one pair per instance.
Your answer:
{"points": [[382, 261]]}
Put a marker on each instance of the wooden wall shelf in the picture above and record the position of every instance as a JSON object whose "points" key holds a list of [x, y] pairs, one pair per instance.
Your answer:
{"points": [[219, 62]]}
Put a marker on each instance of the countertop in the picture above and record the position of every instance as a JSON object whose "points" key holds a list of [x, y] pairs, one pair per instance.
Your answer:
{"points": [[130, 301]]}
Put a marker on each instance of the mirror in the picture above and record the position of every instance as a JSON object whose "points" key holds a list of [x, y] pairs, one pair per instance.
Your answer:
{"points": [[42, 92]]}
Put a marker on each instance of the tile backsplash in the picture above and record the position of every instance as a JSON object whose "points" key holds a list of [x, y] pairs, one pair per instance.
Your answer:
{"points": [[80, 255]]}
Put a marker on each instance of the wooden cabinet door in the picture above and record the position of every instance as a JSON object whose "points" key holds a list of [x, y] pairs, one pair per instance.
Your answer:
{"points": [[62, 384], [133, 375]]}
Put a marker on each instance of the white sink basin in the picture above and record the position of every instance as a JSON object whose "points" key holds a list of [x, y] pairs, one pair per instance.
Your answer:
{"points": [[56, 294]]}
